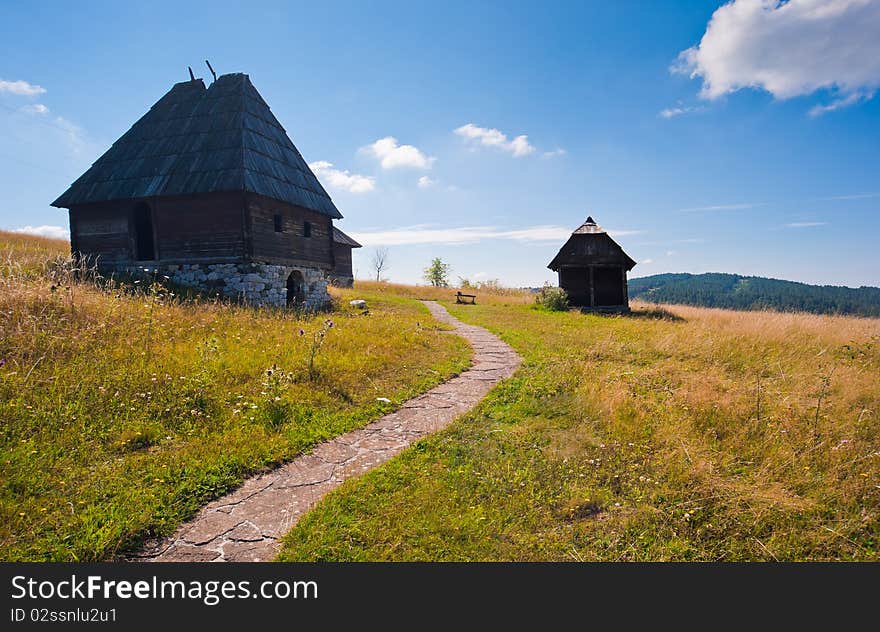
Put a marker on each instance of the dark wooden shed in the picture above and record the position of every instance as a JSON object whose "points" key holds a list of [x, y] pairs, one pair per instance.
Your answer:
{"points": [[208, 188], [592, 269], [343, 275]]}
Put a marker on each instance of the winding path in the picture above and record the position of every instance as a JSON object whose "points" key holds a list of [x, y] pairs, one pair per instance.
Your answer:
{"points": [[246, 524]]}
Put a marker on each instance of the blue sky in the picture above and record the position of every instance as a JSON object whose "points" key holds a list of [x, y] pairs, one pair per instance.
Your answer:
{"points": [[738, 138]]}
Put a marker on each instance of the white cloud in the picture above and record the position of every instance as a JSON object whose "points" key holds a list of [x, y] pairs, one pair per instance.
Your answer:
{"points": [[35, 108], [487, 137], [54, 232], [855, 97], [669, 113], [857, 196], [559, 151], [427, 234], [337, 179], [789, 49], [670, 253], [805, 224], [21, 88], [77, 139], [646, 261], [426, 183], [722, 207], [392, 154]]}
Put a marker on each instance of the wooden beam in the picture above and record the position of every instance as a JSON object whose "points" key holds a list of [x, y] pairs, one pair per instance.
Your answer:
{"points": [[592, 289]]}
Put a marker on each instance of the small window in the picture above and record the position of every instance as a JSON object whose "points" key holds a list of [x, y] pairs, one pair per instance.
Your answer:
{"points": [[307, 229], [278, 226]]}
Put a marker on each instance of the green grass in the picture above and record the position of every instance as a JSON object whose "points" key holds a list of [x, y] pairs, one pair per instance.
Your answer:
{"points": [[710, 435], [121, 414]]}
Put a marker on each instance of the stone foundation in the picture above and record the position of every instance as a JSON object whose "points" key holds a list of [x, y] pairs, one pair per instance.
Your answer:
{"points": [[255, 283]]}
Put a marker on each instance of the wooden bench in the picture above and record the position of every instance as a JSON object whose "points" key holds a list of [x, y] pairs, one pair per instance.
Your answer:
{"points": [[462, 298]]}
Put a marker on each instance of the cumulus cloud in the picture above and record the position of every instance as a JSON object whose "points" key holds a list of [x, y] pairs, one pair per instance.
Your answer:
{"points": [[789, 49], [426, 183], [491, 137], [806, 224], [391, 154], [428, 234], [342, 179], [21, 88], [54, 232]]}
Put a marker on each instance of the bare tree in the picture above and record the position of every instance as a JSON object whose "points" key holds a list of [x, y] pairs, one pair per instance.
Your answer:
{"points": [[380, 261]]}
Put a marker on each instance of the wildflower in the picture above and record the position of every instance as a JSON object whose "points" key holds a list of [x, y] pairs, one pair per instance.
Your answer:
{"points": [[329, 323], [302, 332], [2, 362]]}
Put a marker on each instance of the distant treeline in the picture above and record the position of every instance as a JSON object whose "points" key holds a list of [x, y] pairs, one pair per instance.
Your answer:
{"points": [[732, 291]]}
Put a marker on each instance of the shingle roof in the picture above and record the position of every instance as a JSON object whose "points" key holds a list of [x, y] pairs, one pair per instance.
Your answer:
{"points": [[591, 245], [589, 227], [203, 140], [341, 238]]}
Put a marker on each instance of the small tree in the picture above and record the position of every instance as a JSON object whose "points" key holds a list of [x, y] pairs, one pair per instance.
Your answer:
{"points": [[380, 261], [437, 274]]}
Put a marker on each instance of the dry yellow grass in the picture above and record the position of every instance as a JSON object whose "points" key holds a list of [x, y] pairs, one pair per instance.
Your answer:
{"points": [[679, 434], [494, 296], [123, 410]]}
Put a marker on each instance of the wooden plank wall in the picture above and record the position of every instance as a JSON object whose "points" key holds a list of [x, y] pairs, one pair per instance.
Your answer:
{"points": [[100, 231], [221, 227], [289, 247], [342, 255], [200, 228]]}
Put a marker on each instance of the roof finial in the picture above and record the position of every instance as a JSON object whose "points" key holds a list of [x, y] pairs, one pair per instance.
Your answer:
{"points": [[192, 77], [211, 69], [590, 220]]}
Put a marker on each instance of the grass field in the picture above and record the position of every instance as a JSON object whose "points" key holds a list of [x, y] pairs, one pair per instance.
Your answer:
{"points": [[122, 413], [671, 434], [689, 434]]}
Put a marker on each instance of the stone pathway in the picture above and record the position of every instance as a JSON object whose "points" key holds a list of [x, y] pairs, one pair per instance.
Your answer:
{"points": [[245, 525]]}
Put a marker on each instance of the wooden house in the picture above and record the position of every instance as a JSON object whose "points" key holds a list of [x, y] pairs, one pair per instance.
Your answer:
{"points": [[343, 275], [592, 269], [208, 189]]}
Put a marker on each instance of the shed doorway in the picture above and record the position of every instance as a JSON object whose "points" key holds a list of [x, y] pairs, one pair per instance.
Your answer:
{"points": [[144, 244], [296, 289], [608, 286]]}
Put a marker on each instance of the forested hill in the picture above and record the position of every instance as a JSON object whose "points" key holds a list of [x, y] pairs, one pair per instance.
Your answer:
{"points": [[733, 291]]}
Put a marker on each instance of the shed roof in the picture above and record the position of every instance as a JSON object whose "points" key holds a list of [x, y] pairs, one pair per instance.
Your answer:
{"points": [[589, 244], [223, 138], [341, 238]]}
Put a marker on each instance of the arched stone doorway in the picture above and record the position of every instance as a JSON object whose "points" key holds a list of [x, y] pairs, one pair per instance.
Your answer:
{"points": [[296, 289]]}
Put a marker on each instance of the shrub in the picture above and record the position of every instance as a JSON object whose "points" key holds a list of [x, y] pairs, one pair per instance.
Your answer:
{"points": [[553, 298]]}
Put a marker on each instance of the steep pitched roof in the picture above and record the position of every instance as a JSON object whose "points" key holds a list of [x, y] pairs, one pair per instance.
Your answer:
{"points": [[341, 238], [590, 244], [203, 140]]}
